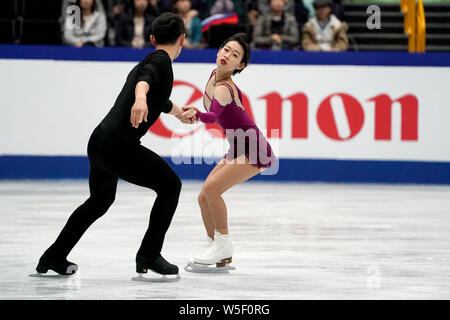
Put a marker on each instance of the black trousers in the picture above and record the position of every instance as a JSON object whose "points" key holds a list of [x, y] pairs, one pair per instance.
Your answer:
{"points": [[109, 160]]}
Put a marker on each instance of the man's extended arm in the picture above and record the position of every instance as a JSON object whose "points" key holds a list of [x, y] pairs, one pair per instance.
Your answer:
{"points": [[139, 111]]}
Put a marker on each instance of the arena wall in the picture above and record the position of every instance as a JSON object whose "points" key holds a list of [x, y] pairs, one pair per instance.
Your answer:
{"points": [[332, 117]]}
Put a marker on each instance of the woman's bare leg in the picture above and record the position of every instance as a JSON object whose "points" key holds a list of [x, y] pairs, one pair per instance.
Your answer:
{"points": [[203, 203], [231, 173]]}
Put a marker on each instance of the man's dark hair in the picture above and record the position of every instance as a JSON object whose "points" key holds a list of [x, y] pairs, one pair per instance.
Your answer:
{"points": [[167, 28], [322, 3], [242, 39]]}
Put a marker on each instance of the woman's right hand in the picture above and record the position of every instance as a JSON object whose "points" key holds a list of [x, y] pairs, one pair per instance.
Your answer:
{"points": [[188, 116]]}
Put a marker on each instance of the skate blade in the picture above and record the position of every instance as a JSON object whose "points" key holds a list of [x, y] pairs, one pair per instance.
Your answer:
{"points": [[199, 268], [50, 276], [161, 278], [70, 271]]}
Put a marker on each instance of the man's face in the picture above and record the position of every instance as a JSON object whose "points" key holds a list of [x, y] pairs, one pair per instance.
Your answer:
{"points": [[323, 12], [277, 5]]}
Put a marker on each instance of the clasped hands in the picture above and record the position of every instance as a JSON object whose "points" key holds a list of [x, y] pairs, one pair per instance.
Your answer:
{"points": [[188, 115]]}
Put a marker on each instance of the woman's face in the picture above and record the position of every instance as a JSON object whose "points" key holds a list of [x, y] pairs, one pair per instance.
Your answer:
{"points": [[140, 5], [230, 56], [86, 4], [183, 6]]}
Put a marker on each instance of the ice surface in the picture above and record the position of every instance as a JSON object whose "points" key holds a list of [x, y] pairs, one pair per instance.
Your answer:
{"points": [[291, 241]]}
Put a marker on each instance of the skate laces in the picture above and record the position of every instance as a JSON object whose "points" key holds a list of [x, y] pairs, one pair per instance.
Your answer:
{"points": [[211, 249], [217, 245]]}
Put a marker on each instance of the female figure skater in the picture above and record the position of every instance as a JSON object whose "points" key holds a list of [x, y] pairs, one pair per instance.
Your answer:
{"points": [[249, 152]]}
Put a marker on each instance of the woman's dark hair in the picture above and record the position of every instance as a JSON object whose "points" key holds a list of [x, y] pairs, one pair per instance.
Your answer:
{"points": [[167, 28], [94, 5], [242, 39]]}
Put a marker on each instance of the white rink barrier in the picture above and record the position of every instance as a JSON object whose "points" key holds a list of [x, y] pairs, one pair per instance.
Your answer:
{"points": [[315, 116]]}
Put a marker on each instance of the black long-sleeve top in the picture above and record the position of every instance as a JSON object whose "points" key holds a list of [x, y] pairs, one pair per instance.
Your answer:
{"points": [[156, 70]]}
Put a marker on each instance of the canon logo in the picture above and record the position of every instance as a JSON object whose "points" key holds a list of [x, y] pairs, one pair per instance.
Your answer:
{"points": [[325, 116]]}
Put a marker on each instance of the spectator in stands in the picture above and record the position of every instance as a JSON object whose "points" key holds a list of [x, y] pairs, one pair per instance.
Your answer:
{"points": [[264, 6], [301, 14], [117, 7], [200, 6], [113, 10], [66, 3], [163, 5], [167, 5], [276, 30], [338, 11], [192, 23], [154, 9], [213, 7], [92, 29], [134, 29], [294, 7], [251, 6], [324, 32], [255, 8]]}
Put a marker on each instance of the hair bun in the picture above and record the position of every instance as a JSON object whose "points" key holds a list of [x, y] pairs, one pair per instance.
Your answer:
{"points": [[243, 36]]}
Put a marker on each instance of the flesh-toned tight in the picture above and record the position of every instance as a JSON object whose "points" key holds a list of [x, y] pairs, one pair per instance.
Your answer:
{"points": [[225, 174]]}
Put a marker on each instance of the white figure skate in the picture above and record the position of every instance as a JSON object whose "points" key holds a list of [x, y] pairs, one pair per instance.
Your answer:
{"points": [[216, 259], [209, 241]]}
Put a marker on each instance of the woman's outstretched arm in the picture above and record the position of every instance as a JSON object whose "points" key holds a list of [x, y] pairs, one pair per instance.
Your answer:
{"points": [[222, 97]]}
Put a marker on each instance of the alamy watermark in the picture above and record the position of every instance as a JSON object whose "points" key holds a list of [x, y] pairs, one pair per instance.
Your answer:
{"points": [[374, 20], [249, 146], [73, 18]]}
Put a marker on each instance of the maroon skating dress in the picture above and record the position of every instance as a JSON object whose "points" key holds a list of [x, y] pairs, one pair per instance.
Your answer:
{"points": [[241, 131]]}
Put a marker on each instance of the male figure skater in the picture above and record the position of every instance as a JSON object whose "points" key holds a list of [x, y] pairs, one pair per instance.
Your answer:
{"points": [[114, 151]]}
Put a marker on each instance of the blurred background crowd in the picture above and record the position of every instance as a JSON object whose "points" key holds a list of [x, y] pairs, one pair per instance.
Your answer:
{"points": [[272, 24], [310, 25]]}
